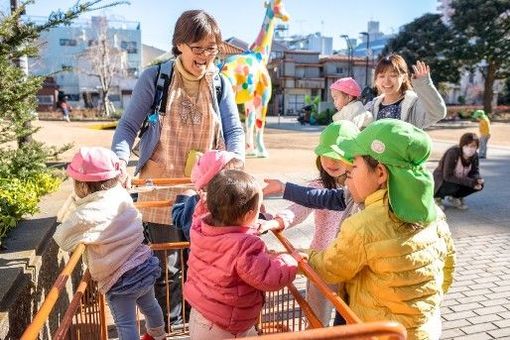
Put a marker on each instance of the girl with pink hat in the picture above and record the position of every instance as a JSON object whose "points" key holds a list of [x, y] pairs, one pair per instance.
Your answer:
{"points": [[346, 93], [101, 215]]}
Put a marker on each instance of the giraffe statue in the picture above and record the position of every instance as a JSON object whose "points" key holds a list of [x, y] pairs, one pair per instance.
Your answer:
{"points": [[250, 79]]}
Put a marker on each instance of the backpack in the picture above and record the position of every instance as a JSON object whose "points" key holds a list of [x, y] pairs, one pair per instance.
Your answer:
{"points": [[163, 79]]}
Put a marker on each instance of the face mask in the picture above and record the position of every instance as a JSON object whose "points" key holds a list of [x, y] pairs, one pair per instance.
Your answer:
{"points": [[468, 151]]}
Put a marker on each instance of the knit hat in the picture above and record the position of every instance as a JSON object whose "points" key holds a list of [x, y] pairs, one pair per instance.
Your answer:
{"points": [[347, 85], [479, 114], [94, 164], [403, 149], [333, 134], [209, 165]]}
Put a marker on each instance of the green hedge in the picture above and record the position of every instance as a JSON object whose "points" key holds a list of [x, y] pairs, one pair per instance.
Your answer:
{"points": [[21, 197]]}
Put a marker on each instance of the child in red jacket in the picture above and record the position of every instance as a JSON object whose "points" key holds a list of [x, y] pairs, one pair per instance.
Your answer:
{"points": [[229, 265]]}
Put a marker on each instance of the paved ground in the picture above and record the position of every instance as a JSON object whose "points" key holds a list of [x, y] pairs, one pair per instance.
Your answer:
{"points": [[478, 305]]}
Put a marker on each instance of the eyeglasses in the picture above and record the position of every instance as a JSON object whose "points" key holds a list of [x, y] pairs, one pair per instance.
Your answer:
{"points": [[206, 51]]}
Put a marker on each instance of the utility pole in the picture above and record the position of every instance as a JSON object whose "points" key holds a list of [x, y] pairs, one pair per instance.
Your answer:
{"points": [[366, 64], [350, 55], [22, 63], [368, 93]]}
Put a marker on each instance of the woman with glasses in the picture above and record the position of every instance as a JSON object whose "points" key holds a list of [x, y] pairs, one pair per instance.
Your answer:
{"points": [[195, 121]]}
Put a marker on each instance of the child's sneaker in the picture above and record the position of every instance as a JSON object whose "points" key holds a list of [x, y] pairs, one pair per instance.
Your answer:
{"points": [[439, 202], [457, 203]]}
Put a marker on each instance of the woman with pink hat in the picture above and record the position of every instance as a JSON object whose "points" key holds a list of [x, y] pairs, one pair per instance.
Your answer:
{"points": [[102, 216], [346, 93]]}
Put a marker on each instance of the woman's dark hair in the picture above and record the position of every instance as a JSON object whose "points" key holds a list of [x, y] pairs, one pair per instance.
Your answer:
{"points": [[327, 181], [396, 63], [231, 194], [193, 26], [101, 185], [468, 138]]}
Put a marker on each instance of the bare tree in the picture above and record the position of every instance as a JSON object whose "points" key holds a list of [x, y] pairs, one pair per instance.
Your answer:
{"points": [[106, 62]]}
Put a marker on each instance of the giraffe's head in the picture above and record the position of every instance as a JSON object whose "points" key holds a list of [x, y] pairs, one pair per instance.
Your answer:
{"points": [[278, 9]]}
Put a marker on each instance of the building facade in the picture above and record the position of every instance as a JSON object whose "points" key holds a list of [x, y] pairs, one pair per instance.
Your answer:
{"points": [[62, 53], [298, 74]]}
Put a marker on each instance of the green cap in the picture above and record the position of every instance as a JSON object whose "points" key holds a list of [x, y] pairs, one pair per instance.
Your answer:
{"points": [[403, 149], [479, 114], [333, 134]]}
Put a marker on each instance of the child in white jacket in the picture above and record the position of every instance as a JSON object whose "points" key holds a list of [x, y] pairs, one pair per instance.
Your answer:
{"points": [[101, 215], [345, 93]]}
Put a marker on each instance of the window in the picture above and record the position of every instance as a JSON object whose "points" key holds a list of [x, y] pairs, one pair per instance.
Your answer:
{"points": [[296, 102], [68, 42], [45, 100], [73, 97], [67, 68], [114, 97], [132, 71], [129, 46], [339, 69]]}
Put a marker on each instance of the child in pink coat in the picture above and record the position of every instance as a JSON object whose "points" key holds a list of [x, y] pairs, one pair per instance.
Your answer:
{"points": [[229, 265]]}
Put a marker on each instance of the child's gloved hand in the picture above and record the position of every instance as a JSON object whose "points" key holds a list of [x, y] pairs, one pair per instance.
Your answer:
{"points": [[273, 187]]}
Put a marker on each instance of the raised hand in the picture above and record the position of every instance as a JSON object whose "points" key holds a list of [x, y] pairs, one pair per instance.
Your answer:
{"points": [[420, 69]]}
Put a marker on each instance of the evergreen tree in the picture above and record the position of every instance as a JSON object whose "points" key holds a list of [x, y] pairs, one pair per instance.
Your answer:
{"points": [[24, 177], [485, 24], [428, 39]]}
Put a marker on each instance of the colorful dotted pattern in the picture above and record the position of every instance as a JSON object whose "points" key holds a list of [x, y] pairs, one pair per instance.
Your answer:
{"points": [[250, 80]]}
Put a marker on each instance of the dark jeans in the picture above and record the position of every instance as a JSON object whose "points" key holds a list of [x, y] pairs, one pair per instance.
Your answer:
{"points": [[339, 320], [454, 190], [159, 233]]}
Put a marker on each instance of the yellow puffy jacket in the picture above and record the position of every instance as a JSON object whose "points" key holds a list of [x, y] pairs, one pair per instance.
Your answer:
{"points": [[391, 271]]}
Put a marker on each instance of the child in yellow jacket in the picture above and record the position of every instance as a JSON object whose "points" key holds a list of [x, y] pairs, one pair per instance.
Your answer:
{"points": [[484, 126], [396, 256]]}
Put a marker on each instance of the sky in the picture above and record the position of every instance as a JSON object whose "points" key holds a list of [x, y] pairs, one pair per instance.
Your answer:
{"points": [[243, 18]]}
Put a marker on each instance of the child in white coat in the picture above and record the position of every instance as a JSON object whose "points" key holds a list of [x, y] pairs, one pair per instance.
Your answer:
{"points": [[101, 215], [345, 93]]}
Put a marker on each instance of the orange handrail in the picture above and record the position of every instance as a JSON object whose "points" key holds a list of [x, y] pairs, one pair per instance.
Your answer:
{"points": [[154, 204], [337, 302], [42, 315], [160, 181], [390, 329]]}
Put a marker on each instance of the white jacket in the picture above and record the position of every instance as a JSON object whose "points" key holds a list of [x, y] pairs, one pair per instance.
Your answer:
{"points": [[356, 113], [111, 227]]}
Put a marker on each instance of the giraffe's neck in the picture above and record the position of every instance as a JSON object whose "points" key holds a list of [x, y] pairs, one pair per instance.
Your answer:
{"points": [[265, 37]]}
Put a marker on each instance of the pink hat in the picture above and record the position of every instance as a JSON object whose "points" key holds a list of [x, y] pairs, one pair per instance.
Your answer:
{"points": [[347, 85], [94, 164], [209, 165]]}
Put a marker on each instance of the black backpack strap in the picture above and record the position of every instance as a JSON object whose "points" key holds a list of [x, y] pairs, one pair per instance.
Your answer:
{"points": [[218, 87], [162, 81], [167, 69]]}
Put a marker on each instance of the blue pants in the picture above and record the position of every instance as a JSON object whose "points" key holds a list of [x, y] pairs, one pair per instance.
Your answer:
{"points": [[123, 308], [482, 151], [136, 288]]}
